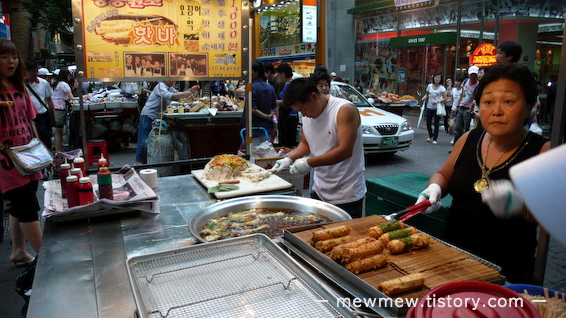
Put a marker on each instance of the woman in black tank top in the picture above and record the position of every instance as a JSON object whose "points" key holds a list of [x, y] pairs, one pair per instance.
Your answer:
{"points": [[505, 96]]}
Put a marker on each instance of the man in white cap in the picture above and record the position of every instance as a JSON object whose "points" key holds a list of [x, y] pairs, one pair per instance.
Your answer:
{"points": [[465, 103], [332, 76]]}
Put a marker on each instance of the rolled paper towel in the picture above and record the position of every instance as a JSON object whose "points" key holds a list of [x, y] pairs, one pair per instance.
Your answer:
{"points": [[149, 176]]}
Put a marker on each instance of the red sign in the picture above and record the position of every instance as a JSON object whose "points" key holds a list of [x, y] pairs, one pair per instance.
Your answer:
{"points": [[484, 55]]}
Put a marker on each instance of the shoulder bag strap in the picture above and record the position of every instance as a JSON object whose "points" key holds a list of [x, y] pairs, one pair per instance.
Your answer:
{"points": [[36, 96]]}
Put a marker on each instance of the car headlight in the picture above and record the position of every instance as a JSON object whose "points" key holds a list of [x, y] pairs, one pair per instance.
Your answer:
{"points": [[405, 126], [366, 129]]}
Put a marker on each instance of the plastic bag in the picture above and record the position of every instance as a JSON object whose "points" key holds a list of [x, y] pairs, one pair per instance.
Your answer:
{"points": [[536, 128], [264, 150], [160, 149]]}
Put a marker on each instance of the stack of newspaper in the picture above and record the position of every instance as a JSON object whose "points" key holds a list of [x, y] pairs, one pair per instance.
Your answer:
{"points": [[131, 193]]}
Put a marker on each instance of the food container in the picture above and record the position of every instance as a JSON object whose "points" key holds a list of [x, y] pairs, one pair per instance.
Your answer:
{"points": [[243, 277], [113, 105], [472, 299], [201, 218], [95, 106], [129, 104]]}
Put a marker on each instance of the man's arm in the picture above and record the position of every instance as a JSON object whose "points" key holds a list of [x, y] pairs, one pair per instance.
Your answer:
{"points": [[348, 122]]}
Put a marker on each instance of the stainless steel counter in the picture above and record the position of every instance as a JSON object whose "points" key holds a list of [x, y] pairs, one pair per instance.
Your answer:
{"points": [[81, 270]]}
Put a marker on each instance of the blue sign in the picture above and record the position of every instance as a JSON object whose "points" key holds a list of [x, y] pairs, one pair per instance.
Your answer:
{"points": [[401, 75]]}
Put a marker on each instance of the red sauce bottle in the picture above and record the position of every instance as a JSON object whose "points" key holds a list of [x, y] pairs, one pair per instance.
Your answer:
{"points": [[86, 195], [72, 185], [104, 177], [102, 161], [79, 162], [63, 174]]}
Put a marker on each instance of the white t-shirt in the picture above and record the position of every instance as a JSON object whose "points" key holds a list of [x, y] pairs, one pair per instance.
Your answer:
{"points": [[456, 93], [434, 95], [42, 88], [343, 182], [60, 95]]}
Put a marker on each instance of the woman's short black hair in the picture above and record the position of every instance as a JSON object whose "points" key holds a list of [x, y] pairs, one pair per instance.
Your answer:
{"points": [[513, 72]]}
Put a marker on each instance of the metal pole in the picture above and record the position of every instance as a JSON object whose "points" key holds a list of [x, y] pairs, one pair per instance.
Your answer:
{"points": [[248, 101], [496, 28], [458, 38], [83, 123]]}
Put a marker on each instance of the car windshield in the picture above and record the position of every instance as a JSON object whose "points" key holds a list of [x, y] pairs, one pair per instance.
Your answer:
{"points": [[354, 96]]}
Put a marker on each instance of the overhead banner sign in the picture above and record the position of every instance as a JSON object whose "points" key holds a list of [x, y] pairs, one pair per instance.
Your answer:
{"points": [[133, 39], [309, 21]]}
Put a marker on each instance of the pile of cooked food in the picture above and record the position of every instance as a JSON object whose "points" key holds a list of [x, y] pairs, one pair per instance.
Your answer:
{"points": [[268, 221], [225, 168], [193, 105], [370, 252], [389, 98]]}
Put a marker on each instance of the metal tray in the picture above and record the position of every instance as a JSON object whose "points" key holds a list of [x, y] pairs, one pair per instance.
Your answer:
{"points": [[201, 218], [240, 277], [352, 284]]}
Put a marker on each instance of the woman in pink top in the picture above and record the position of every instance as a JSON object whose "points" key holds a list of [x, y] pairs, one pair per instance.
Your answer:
{"points": [[17, 112]]}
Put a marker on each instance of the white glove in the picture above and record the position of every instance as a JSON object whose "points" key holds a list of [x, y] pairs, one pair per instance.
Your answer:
{"points": [[503, 199], [281, 164], [433, 193], [301, 166]]}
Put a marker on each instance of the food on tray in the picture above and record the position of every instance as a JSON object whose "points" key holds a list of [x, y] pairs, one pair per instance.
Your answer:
{"points": [[329, 233], [271, 222], [379, 230], [337, 251], [225, 167], [367, 264], [366, 250], [408, 243], [546, 305], [255, 174], [407, 97], [402, 284], [327, 245], [397, 234], [6, 103], [389, 98]]}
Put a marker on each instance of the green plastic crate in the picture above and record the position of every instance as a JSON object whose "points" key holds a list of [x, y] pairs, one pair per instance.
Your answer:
{"points": [[393, 193]]}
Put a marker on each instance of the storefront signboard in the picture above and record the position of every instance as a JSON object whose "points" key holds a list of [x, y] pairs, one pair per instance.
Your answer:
{"points": [[484, 55], [424, 39], [309, 21], [136, 39]]}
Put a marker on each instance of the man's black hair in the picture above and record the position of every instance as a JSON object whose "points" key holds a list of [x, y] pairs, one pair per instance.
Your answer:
{"points": [[268, 67], [513, 49], [31, 64], [285, 68], [299, 91], [258, 67]]}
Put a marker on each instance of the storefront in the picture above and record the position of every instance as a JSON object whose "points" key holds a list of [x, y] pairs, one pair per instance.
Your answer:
{"points": [[400, 44], [286, 31]]}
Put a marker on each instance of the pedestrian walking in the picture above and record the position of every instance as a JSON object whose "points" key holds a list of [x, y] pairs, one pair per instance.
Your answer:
{"points": [[436, 96]]}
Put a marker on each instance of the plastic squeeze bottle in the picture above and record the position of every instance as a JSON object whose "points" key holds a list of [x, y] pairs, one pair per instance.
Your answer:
{"points": [[79, 162], [63, 174], [104, 177], [72, 185], [86, 195], [102, 161]]}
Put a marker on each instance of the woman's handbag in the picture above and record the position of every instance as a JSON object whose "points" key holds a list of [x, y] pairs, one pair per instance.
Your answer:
{"points": [[29, 158], [440, 110]]}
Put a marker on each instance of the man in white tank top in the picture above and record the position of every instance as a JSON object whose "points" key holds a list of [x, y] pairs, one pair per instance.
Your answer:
{"points": [[330, 143]]}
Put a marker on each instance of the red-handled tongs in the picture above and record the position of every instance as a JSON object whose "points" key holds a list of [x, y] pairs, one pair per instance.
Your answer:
{"points": [[409, 212]]}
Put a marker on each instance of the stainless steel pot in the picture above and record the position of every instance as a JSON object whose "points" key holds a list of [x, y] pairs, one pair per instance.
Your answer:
{"points": [[200, 219]]}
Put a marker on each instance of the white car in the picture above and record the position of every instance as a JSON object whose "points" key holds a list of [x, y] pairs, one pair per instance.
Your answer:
{"points": [[383, 132]]}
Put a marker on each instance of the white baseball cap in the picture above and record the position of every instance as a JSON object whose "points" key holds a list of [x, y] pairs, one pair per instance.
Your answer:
{"points": [[56, 72], [332, 74], [473, 69], [43, 72]]}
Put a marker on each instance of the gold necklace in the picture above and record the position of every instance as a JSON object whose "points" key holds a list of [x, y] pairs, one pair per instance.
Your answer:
{"points": [[483, 183]]}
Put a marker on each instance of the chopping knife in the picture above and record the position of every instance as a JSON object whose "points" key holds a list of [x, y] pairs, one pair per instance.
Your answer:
{"points": [[412, 210]]}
